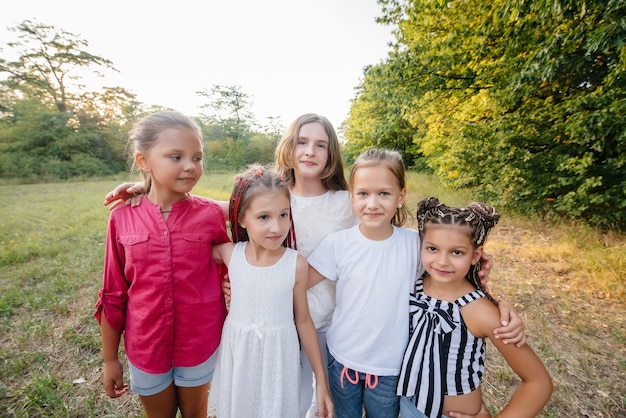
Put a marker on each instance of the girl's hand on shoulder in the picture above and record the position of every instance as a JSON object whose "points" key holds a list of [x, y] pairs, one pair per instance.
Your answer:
{"points": [[483, 413], [125, 193], [512, 330]]}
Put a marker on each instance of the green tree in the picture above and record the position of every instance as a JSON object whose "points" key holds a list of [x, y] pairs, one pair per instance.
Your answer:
{"points": [[228, 108], [49, 64], [50, 124], [520, 100]]}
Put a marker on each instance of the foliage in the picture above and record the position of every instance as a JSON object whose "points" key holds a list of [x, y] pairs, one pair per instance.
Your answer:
{"points": [[520, 100], [227, 117], [50, 127]]}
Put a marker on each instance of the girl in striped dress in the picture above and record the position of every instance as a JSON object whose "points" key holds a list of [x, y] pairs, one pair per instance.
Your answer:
{"points": [[451, 315]]}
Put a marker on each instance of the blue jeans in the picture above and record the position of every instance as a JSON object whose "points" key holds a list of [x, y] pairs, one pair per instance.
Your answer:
{"points": [[377, 394]]}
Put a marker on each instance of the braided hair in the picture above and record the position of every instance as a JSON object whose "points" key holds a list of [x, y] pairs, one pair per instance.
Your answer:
{"points": [[479, 217], [255, 180]]}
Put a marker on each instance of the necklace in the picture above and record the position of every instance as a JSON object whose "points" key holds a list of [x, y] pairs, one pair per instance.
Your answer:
{"points": [[165, 211]]}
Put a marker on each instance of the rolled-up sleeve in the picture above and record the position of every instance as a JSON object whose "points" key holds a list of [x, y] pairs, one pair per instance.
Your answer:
{"points": [[113, 295]]}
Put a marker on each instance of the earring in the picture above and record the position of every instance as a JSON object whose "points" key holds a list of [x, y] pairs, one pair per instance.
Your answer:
{"points": [[400, 205]]}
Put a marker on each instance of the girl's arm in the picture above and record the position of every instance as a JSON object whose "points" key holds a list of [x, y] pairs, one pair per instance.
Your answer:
{"points": [[314, 277], [113, 374], [535, 388], [221, 254], [130, 194], [308, 338]]}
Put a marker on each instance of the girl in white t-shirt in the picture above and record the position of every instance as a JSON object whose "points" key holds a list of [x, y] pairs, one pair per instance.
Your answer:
{"points": [[374, 265]]}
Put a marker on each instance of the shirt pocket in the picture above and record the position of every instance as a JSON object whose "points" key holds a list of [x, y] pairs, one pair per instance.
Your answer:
{"points": [[198, 243], [135, 246]]}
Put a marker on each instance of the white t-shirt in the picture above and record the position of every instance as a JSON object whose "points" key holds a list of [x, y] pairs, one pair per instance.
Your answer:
{"points": [[314, 218], [370, 329]]}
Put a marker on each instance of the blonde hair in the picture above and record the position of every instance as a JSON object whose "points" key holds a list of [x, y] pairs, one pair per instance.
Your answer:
{"points": [[332, 176], [393, 161]]}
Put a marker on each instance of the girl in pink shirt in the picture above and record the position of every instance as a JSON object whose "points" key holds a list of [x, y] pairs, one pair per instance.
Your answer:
{"points": [[161, 287]]}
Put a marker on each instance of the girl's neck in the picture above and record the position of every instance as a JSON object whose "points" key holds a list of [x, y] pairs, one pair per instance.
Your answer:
{"points": [[377, 234], [446, 291], [260, 256], [165, 199], [308, 187]]}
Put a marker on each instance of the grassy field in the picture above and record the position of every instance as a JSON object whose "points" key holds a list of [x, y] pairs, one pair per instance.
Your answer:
{"points": [[565, 280]]}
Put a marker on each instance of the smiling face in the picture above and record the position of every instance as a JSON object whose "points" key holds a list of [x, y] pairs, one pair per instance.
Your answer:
{"points": [[310, 154], [447, 252], [266, 219], [376, 195], [174, 162]]}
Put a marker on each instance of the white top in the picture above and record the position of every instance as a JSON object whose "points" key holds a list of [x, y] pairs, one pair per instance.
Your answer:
{"points": [[314, 218], [370, 328], [257, 372]]}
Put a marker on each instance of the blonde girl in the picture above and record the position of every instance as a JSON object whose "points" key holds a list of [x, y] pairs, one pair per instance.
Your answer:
{"points": [[451, 315], [161, 287], [374, 265], [258, 367]]}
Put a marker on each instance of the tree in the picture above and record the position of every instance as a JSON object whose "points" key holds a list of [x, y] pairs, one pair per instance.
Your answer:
{"points": [[229, 108], [520, 100], [50, 124], [49, 64]]}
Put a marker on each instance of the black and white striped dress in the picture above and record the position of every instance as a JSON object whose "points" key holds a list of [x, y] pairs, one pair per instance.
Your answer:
{"points": [[442, 357]]}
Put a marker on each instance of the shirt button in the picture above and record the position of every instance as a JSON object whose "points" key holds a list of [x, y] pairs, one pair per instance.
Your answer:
{"points": [[165, 233]]}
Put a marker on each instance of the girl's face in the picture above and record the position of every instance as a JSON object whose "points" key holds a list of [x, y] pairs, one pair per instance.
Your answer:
{"points": [[310, 154], [447, 252], [267, 219], [174, 162], [375, 197]]}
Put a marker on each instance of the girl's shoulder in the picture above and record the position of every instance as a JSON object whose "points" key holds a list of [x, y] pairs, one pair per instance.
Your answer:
{"points": [[481, 316]]}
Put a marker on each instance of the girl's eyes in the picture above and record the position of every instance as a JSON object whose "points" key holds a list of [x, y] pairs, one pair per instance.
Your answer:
{"points": [[178, 158], [431, 249], [284, 215], [381, 194]]}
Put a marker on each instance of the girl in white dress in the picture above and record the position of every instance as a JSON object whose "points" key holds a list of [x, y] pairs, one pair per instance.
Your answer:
{"points": [[258, 366]]}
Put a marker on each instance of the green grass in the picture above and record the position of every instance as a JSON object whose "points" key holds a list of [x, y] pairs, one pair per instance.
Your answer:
{"points": [[566, 281]]}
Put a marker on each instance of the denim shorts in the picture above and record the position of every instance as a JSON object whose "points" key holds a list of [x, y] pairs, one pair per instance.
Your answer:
{"points": [[147, 384]]}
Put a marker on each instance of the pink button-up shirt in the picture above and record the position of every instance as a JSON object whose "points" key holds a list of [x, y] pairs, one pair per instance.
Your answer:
{"points": [[161, 286]]}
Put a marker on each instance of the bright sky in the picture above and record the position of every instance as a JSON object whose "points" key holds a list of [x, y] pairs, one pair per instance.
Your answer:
{"points": [[290, 56]]}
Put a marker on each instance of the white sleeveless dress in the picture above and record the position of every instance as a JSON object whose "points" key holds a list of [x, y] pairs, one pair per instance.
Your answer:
{"points": [[257, 372]]}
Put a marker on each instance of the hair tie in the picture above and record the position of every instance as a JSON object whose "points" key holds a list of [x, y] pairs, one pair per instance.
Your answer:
{"points": [[259, 173]]}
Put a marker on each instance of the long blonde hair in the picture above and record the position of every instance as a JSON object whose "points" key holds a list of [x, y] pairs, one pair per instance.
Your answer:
{"points": [[332, 176]]}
